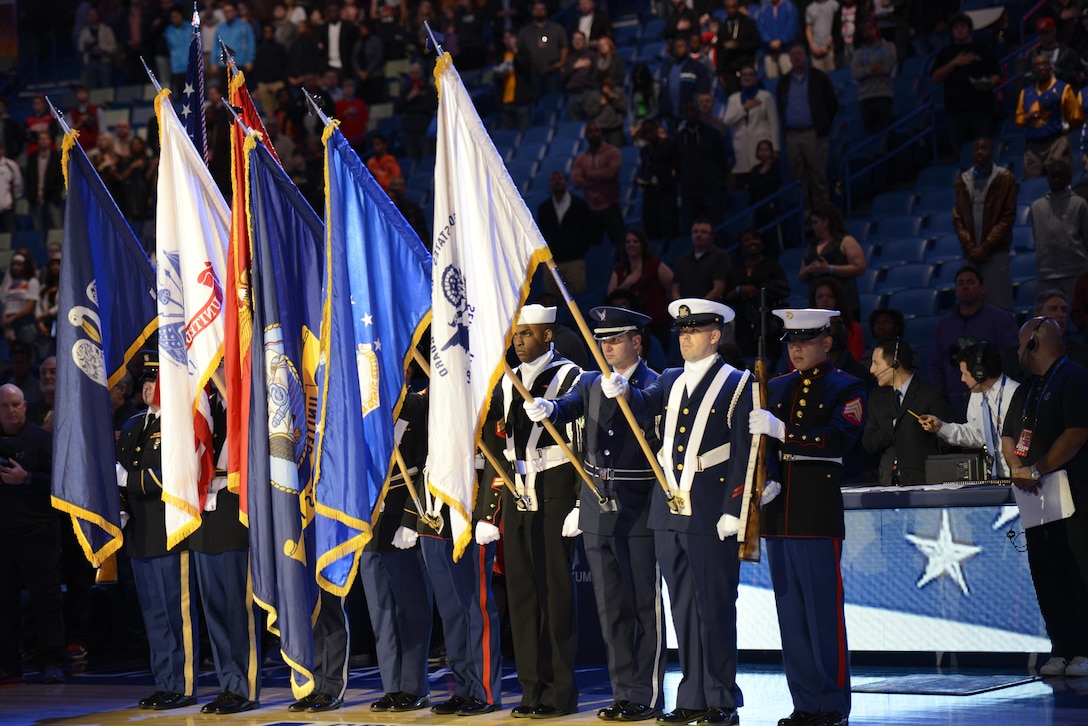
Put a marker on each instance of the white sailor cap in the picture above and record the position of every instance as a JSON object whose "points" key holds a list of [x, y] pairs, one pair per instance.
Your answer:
{"points": [[693, 312], [608, 321], [536, 315], [805, 323]]}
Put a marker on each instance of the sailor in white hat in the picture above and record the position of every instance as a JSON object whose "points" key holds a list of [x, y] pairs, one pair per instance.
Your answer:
{"points": [[705, 443], [814, 416]]}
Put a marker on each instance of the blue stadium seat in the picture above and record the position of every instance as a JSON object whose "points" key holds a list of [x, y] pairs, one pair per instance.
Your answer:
{"points": [[859, 228], [919, 331], [907, 277], [867, 280], [1024, 297], [1023, 267], [914, 303], [627, 34], [600, 259], [505, 138], [653, 28], [1023, 215], [1023, 239], [891, 204], [939, 223], [790, 259], [942, 175], [902, 250], [946, 248], [937, 199], [891, 228], [1032, 189], [552, 163], [539, 135], [530, 151], [33, 240], [521, 169], [652, 52], [573, 130]]}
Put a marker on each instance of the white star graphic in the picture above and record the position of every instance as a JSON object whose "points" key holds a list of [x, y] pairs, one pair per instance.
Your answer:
{"points": [[377, 344], [943, 555], [368, 319], [1008, 514], [188, 90], [185, 111]]}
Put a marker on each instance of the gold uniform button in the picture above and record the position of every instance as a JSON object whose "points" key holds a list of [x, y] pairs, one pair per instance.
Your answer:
{"points": [[800, 414], [680, 448], [803, 402], [722, 479], [138, 448], [685, 412], [821, 405], [713, 410], [680, 467], [807, 382], [492, 506], [804, 390], [683, 429], [817, 439], [804, 438]]}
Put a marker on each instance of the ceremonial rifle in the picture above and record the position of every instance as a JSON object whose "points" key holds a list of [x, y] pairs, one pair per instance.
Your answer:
{"points": [[756, 476]]}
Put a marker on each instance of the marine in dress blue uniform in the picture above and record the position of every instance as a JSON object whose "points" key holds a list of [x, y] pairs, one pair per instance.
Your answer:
{"points": [[619, 545], [814, 415], [705, 443], [398, 591], [540, 587], [164, 580]]}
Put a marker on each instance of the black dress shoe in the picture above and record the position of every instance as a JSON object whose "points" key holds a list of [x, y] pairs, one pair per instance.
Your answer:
{"points": [[611, 713], [720, 717], [409, 702], [150, 700], [168, 701], [830, 718], [797, 718], [324, 702], [681, 715], [450, 707], [637, 712], [227, 702], [547, 712], [474, 706], [384, 703], [522, 711], [302, 704]]}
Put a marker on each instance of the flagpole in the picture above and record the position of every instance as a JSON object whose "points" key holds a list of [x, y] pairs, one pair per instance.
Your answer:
{"points": [[325, 120], [58, 116], [151, 75], [237, 117], [672, 499], [500, 469]]}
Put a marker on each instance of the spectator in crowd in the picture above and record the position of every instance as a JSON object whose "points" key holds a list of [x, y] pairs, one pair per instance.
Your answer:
{"points": [[702, 163], [1046, 109], [609, 64], [702, 271], [281, 142], [177, 36], [11, 189], [593, 23], [845, 30], [38, 121], [19, 293], [237, 35], [354, 115], [969, 72], [565, 220], [98, 45], [807, 104], [41, 414], [30, 534], [218, 121], [368, 59], [286, 29], [304, 56], [46, 312], [778, 23], [122, 132], [514, 77], [827, 293], [656, 177], [891, 426], [545, 41], [381, 163], [295, 13], [680, 21], [104, 158], [330, 86], [134, 174], [132, 29], [645, 275], [929, 24], [644, 97], [607, 107], [597, 174], [753, 272], [833, 252], [22, 371], [412, 212], [269, 69], [819, 33], [1059, 224], [1050, 303], [983, 216], [579, 76], [685, 79], [469, 22], [971, 321], [738, 41], [45, 185], [390, 24], [84, 117], [338, 39], [752, 116], [872, 67], [12, 135], [886, 323], [1064, 61], [763, 181]]}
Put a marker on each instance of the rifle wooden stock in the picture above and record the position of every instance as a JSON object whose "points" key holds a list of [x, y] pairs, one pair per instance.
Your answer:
{"points": [[748, 535], [106, 574]]}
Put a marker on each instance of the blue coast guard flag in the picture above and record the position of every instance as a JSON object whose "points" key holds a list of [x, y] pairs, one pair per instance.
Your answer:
{"points": [[192, 96], [286, 237], [106, 312], [376, 301]]}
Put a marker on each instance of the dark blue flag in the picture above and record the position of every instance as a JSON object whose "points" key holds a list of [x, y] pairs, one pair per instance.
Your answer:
{"points": [[105, 312], [192, 96], [286, 242]]}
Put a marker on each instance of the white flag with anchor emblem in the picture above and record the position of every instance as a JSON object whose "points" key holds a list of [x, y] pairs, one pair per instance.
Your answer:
{"points": [[486, 249], [192, 231]]}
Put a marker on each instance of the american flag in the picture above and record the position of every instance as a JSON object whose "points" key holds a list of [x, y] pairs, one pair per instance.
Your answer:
{"points": [[192, 96]]}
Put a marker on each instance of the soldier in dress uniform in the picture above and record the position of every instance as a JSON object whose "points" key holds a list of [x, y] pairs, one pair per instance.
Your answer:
{"points": [[619, 545], [704, 454], [220, 556], [398, 592], [815, 415], [540, 587], [163, 577], [470, 615]]}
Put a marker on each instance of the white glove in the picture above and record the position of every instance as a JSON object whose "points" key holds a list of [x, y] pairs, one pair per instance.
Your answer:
{"points": [[614, 386], [770, 490], [570, 524], [728, 526], [762, 421], [486, 533], [538, 409], [404, 538]]}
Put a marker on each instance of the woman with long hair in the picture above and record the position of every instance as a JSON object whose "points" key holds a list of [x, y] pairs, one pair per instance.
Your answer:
{"points": [[19, 294], [833, 252], [827, 293], [643, 273]]}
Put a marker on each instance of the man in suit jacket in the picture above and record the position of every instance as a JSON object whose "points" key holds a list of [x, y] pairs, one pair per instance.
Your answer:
{"points": [[44, 184], [619, 545], [892, 428], [564, 220], [704, 453], [337, 41]]}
